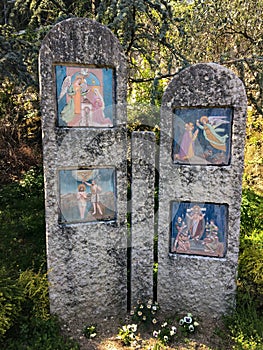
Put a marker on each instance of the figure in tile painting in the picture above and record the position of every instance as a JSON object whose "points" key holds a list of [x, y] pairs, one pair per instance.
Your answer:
{"points": [[85, 96], [187, 145], [198, 228], [196, 222], [95, 197], [202, 136], [82, 200], [211, 133]]}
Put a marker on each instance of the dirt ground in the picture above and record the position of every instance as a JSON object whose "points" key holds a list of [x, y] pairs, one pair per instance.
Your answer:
{"points": [[208, 336]]}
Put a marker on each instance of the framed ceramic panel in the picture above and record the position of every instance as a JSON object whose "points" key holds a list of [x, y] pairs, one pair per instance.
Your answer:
{"points": [[85, 96], [202, 136], [87, 195], [198, 229]]}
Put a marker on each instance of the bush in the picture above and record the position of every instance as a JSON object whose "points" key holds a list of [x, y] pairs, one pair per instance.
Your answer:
{"points": [[246, 326], [25, 321], [250, 268], [11, 297], [246, 322], [22, 223]]}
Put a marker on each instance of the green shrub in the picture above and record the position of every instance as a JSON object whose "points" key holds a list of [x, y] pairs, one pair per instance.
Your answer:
{"points": [[35, 289], [250, 268], [25, 321], [11, 297], [22, 224], [39, 334], [246, 326], [127, 335], [251, 212], [246, 322]]}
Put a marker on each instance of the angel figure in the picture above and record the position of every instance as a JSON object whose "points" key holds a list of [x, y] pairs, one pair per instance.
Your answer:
{"points": [[75, 89], [209, 125]]}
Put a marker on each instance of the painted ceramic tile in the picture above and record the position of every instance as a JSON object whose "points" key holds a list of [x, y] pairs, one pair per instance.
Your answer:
{"points": [[84, 96], [198, 229], [202, 136], [87, 195]]}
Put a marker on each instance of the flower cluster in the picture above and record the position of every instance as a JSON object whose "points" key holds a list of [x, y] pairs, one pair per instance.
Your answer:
{"points": [[145, 312], [127, 334], [187, 324], [166, 333], [89, 331]]}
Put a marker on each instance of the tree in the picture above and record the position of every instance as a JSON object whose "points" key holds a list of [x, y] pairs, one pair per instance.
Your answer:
{"points": [[230, 33]]}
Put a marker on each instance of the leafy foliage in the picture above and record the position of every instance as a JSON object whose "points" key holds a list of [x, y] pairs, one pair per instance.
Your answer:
{"points": [[89, 331], [145, 313], [25, 321], [22, 224], [229, 32], [166, 333], [254, 153], [10, 301], [245, 325], [127, 334], [251, 248]]}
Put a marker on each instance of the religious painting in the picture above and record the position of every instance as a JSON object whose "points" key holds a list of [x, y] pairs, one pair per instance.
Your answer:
{"points": [[87, 195], [198, 229], [85, 96], [202, 136]]}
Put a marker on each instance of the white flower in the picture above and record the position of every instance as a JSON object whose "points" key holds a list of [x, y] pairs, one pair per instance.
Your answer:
{"points": [[132, 313], [154, 307], [141, 306], [154, 320], [191, 328], [133, 327], [139, 313], [93, 335], [164, 324], [155, 334], [196, 324], [165, 338], [188, 319], [173, 330], [181, 322], [149, 306], [144, 318]]}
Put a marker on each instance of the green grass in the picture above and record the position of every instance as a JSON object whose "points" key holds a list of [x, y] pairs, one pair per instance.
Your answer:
{"points": [[25, 321]]}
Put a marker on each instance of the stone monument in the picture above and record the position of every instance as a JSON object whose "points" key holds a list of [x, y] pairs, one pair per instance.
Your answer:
{"points": [[142, 216], [203, 120], [83, 96]]}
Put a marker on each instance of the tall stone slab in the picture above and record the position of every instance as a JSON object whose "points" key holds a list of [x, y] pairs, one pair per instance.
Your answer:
{"points": [[142, 216], [83, 92], [201, 163]]}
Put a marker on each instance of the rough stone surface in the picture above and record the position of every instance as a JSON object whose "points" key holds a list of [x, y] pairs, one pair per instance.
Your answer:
{"points": [[203, 285], [87, 261], [142, 219]]}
